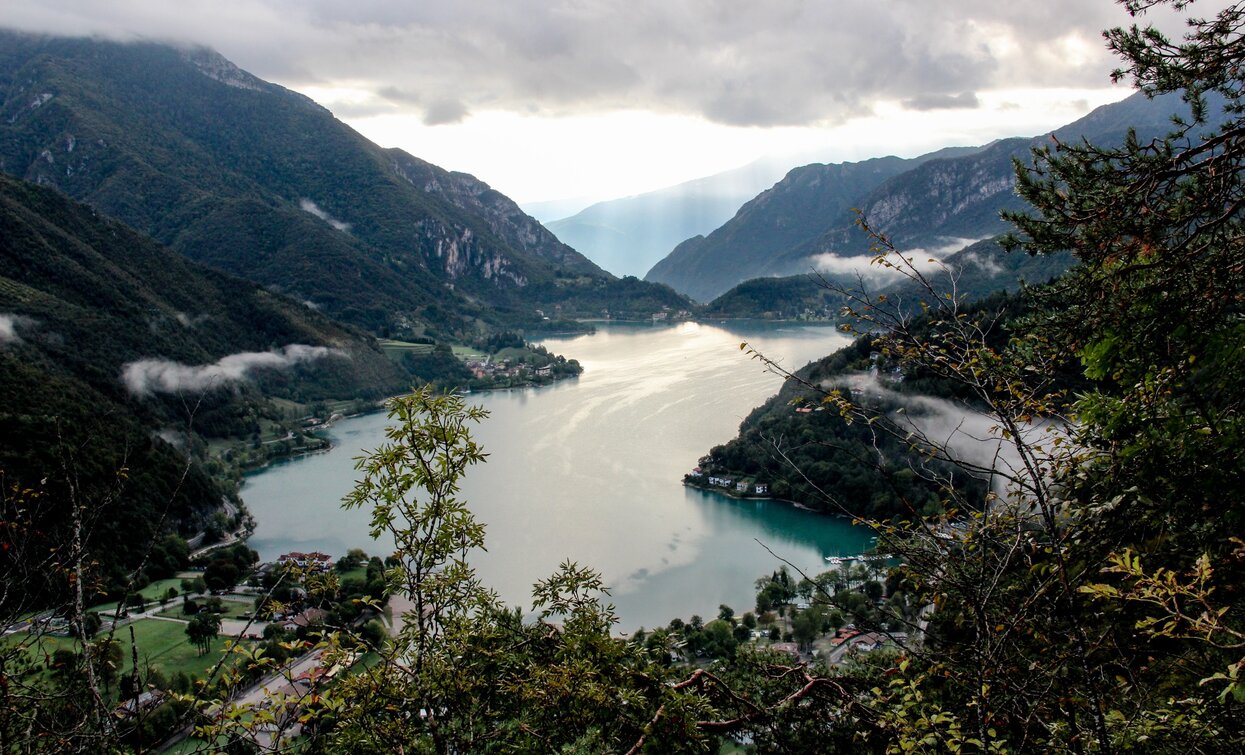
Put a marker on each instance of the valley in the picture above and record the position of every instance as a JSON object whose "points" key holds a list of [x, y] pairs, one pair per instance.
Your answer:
{"points": [[308, 443]]}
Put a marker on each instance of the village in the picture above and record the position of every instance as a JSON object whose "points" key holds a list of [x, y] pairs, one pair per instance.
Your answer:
{"points": [[741, 487], [490, 371]]}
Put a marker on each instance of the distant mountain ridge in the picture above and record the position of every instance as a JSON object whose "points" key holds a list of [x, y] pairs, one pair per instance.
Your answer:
{"points": [[927, 202], [628, 235], [783, 216], [259, 181]]}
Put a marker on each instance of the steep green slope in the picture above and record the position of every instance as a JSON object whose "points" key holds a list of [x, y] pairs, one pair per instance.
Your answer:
{"points": [[111, 296], [946, 199], [260, 181], [81, 452], [117, 356], [973, 273]]}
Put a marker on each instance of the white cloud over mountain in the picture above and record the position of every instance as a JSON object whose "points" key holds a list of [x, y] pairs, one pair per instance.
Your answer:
{"points": [[739, 62], [147, 376]]}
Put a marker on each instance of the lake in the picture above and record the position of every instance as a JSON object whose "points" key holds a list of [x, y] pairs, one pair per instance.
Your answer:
{"points": [[591, 469]]}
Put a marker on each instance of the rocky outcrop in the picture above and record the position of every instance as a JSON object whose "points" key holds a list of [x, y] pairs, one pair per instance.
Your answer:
{"points": [[503, 216]]}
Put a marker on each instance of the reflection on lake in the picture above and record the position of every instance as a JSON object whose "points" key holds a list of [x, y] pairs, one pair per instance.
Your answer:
{"points": [[590, 470]]}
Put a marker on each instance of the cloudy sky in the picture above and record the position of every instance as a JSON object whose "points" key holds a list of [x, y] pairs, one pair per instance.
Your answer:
{"points": [[548, 99]]}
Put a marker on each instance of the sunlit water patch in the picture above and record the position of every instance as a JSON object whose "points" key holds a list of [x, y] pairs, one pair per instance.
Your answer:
{"points": [[590, 469]]}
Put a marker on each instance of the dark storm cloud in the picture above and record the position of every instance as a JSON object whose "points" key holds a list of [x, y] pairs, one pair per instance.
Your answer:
{"points": [[781, 62], [966, 100], [445, 111]]}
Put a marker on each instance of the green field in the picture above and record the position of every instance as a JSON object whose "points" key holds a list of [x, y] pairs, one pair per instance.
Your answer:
{"points": [[150, 593], [294, 410], [163, 644], [237, 609], [40, 648], [403, 347], [468, 353], [359, 572], [234, 609]]}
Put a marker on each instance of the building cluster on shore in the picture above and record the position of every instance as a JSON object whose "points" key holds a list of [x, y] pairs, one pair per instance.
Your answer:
{"points": [[504, 368], [742, 486]]}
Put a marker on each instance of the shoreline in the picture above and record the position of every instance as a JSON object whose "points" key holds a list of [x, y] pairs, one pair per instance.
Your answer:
{"points": [[795, 504], [377, 409], [728, 494]]}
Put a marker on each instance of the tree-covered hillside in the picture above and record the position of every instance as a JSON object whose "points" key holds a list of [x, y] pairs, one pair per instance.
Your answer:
{"points": [[261, 182], [120, 356], [973, 273], [802, 445], [98, 296], [949, 198]]}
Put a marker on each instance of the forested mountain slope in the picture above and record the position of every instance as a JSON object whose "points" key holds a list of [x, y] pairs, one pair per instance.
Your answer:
{"points": [[943, 201], [259, 181], [786, 215], [798, 444], [973, 273], [119, 355]]}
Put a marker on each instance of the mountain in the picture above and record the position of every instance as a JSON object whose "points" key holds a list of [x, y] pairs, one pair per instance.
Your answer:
{"points": [[119, 357], [979, 270], [945, 200], [783, 216], [112, 296], [259, 181], [549, 210], [627, 236]]}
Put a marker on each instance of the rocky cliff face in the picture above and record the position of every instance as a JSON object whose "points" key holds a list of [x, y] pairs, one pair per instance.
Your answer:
{"points": [[502, 214], [218, 68]]}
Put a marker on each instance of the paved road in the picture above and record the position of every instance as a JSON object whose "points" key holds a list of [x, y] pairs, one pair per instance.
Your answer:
{"points": [[277, 682], [835, 656]]}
